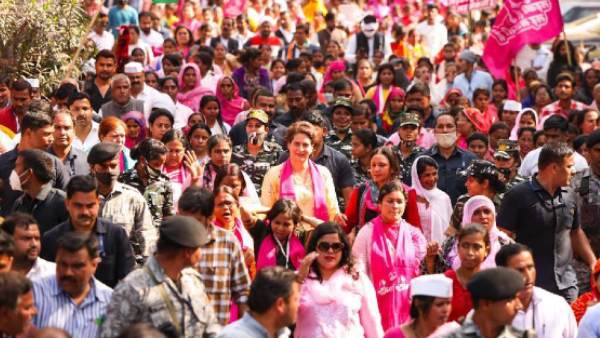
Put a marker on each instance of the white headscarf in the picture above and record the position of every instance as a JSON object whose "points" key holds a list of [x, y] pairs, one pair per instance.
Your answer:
{"points": [[513, 133], [440, 208]]}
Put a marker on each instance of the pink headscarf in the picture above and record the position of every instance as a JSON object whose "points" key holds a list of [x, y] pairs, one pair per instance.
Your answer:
{"points": [[192, 98], [479, 120], [138, 117], [230, 108], [335, 66]]}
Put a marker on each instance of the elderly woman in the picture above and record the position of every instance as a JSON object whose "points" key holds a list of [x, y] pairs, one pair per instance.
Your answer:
{"points": [[336, 299], [429, 308], [136, 128], [112, 129], [300, 179], [391, 250], [230, 100], [190, 88], [478, 209]]}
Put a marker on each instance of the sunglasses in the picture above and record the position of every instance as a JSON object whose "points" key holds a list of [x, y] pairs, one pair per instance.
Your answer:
{"points": [[325, 246]]}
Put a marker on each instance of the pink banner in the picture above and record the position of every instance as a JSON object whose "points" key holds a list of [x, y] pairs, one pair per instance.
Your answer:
{"points": [[520, 22], [465, 6], [233, 8]]}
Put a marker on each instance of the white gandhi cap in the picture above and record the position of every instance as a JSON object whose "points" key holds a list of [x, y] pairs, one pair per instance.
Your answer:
{"points": [[436, 285], [512, 105], [134, 67]]}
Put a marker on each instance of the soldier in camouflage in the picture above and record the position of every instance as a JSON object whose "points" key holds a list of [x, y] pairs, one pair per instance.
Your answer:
{"points": [[364, 142], [340, 138], [507, 160], [167, 292], [586, 185], [257, 155], [146, 177], [409, 126]]}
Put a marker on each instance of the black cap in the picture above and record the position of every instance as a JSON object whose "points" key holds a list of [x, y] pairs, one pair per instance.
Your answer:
{"points": [[481, 168], [102, 152], [496, 284], [185, 231]]}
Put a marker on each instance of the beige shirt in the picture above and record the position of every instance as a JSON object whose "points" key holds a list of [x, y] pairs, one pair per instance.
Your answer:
{"points": [[303, 191]]}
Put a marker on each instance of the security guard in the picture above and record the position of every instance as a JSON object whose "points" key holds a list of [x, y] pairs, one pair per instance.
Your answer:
{"points": [[407, 150], [507, 160], [257, 155], [494, 293], [167, 292], [340, 136], [586, 185]]}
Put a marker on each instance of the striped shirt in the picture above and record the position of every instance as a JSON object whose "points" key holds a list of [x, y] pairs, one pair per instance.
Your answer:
{"points": [[224, 273], [56, 309]]}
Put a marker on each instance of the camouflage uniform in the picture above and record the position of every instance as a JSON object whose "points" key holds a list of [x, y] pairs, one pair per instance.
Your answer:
{"points": [[158, 193], [406, 163], [360, 176], [586, 185], [344, 146], [510, 184], [470, 330], [148, 295], [256, 167]]}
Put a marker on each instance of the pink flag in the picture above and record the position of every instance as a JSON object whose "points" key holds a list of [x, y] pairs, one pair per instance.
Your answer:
{"points": [[520, 22], [233, 8]]}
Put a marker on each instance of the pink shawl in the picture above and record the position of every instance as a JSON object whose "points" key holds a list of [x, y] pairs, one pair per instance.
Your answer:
{"points": [[230, 108], [335, 66], [286, 188], [393, 265], [192, 98], [267, 254]]}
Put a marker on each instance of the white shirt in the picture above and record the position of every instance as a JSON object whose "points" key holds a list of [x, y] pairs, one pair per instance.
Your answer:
{"points": [[91, 139], [529, 166], [154, 99], [182, 114], [589, 325], [104, 41], [549, 315], [40, 269], [154, 38], [538, 59], [434, 37]]}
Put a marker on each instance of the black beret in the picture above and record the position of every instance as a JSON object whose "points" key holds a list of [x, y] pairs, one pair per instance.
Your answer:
{"points": [[496, 284], [102, 152], [593, 138], [185, 231]]}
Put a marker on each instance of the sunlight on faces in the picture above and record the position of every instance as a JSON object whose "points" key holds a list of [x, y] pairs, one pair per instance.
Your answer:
{"points": [[329, 259], [392, 206]]}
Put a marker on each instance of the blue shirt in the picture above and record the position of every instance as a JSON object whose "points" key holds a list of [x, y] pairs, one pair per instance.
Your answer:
{"points": [[589, 326], [121, 16], [57, 309], [248, 327], [478, 79]]}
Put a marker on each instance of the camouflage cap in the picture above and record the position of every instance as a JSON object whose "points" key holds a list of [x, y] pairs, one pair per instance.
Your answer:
{"points": [[506, 149], [342, 102], [258, 114], [410, 118]]}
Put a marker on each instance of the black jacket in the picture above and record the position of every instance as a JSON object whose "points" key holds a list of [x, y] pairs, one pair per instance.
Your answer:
{"points": [[232, 46], [48, 211], [115, 251]]}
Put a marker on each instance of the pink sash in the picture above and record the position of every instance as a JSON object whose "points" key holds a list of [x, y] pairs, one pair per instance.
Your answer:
{"points": [[267, 254], [392, 268], [286, 188]]}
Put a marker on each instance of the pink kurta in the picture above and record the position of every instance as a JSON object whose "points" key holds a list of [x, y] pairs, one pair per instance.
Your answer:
{"points": [[338, 307]]}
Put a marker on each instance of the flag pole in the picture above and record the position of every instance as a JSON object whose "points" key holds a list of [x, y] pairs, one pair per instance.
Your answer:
{"points": [[82, 42], [516, 79], [566, 42]]}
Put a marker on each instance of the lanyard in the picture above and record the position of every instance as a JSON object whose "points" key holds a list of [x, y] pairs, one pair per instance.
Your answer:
{"points": [[286, 252]]}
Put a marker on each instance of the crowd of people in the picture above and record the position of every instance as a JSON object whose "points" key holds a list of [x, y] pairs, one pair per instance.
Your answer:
{"points": [[307, 169]]}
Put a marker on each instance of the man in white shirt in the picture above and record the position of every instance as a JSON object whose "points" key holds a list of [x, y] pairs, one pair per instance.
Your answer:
{"points": [[549, 315], [555, 130], [147, 34], [101, 38], [86, 130], [26, 236], [536, 57], [433, 33], [152, 98]]}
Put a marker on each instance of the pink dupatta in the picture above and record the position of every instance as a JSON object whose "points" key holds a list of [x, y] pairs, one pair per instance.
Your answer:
{"points": [[267, 254], [286, 188], [192, 97], [230, 108], [392, 268]]}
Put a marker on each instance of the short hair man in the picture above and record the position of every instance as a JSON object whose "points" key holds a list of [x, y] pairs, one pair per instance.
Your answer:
{"points": [[83, 204], [531, 208], [21, 95], [73, 292], [565, 92], [273, 306], [26, 235], [98, 88], [62, 145], [231, 281], [167, 292], [545, 313], [121, 204], [16, 304], [121, 101], [85, 128], [45, 203], [7, 251], [495, 302]]}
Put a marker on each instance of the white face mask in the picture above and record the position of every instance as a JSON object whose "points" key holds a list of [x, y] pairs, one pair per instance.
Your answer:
{"points": [[15, 181], [446, 140], [369, 29]]}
